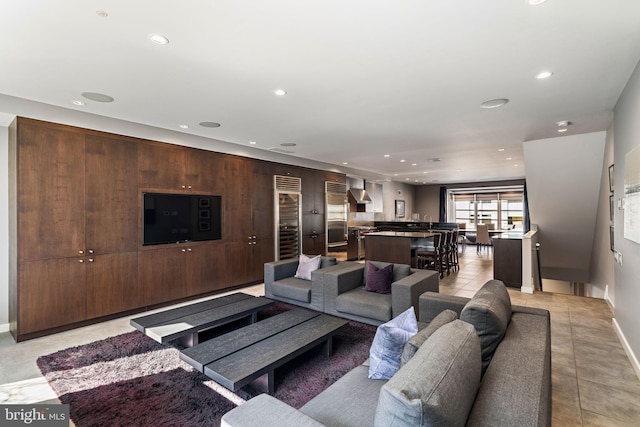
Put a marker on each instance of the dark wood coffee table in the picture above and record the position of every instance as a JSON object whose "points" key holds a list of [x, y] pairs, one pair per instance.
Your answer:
{"points": [[252, 353], [186, 322]]}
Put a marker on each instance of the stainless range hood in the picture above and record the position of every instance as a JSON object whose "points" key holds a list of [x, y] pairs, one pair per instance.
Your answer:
{"points": [[360, 195]]}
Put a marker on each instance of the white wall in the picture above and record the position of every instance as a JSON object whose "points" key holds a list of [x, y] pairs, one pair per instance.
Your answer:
{"points": [[626, 127], [4, 229]]}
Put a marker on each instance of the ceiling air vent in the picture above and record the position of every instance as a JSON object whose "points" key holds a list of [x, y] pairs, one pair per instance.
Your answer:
{"points": [[288, 183]]}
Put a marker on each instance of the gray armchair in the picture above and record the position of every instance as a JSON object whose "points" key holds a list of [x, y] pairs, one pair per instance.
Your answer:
{"points": [[344, 293], [280, 283]]}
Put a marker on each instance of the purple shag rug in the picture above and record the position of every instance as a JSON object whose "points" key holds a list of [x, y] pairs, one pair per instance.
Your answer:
{"points": [[131, 380]]}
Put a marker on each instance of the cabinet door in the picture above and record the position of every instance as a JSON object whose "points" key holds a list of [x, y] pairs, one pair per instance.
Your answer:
{"points": [[263, 221], [206, 268], [111, 195], [204, 171], [161, 166], [50, 191], [52, 293], [112, 284], [162, 274]]}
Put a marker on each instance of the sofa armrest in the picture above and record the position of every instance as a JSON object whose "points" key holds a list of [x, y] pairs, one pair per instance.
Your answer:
{"points": [[432, 304], [278, 270], [406, 292], [339, 281], [266, 410]]}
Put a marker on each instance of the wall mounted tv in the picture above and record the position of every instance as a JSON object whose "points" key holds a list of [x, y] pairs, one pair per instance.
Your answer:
{"points": [[173, 218]]}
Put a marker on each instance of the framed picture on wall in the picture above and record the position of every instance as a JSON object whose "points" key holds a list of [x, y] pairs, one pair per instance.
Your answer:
{"points": [[611, 178], [399, 208], [611, 207]]}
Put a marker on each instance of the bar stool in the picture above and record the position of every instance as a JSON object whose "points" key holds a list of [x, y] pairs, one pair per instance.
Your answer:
{"points": [[430, 258]]}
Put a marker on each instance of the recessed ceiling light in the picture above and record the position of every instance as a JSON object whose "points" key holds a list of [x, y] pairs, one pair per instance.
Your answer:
{"points": [[509, 158], [386, 155], [78, 102], [184, 126], [402, 161], [209, 124], [252, 142], [563, 130], [500, 149], [407, 179], [345, 163], [535, 2], [102, 13], [544, 75], [94, 96], [414, 164], [280, 92], [494, 103], [158, 39]]}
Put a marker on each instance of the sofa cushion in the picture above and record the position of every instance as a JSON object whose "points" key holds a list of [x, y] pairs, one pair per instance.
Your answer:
{"points": [[359, 302], [418, 339], [400, 271], [438, 385], [306, 265], [517, 394], [489, 311], [292, 288], [390, 338], [379, 279], [350, 401]]}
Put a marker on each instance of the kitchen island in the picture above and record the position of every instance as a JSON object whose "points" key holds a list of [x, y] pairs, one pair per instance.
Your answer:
{"points": [[395, 246]]}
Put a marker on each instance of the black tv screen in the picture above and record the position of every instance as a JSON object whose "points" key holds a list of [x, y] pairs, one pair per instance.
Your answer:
{"points": [[172, 218]]}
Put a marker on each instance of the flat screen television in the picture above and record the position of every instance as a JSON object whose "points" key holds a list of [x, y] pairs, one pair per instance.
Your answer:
{"points": [[173, 218]]}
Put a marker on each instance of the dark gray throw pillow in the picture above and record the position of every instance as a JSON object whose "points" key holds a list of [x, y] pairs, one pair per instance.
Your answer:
{"points": [[418, 339], [489, 311]]}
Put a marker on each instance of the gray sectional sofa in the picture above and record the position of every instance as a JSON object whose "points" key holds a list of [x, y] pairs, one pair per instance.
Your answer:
{"points": [[337, 288], [490, 367]]}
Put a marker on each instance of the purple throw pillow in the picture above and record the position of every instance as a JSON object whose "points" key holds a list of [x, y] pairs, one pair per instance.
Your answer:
{"points": [[379, 279]]}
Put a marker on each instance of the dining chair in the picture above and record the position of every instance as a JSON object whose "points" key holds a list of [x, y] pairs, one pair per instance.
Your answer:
{"points": [[482, 237]]}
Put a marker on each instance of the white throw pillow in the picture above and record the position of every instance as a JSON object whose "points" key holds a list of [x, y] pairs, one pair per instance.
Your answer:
{"points": [[306, 265], [388, 343]]}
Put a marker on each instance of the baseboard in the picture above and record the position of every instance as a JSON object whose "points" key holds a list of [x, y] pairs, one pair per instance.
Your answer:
{"points": [[4, 328], [627, 348], [612, 305]]}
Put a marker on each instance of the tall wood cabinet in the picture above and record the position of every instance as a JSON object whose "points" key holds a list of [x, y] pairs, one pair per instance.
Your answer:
{"points": [[76, 252], [76, 226]]}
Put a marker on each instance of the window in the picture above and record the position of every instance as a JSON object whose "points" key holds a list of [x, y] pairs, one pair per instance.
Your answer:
{"points": [[502, 206]]}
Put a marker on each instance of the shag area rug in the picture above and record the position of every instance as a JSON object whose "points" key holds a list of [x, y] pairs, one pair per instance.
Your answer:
{"points": [[131, 380]]}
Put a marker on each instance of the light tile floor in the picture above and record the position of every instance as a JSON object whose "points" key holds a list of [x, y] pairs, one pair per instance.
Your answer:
{"points": [[594, 383]]}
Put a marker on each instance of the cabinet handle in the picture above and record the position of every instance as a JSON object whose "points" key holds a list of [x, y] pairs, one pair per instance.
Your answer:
{"points": [[80, 261], [189, 250], [189, 187], [90, 251], [90, 259], [80, 252], [184, 186], [184, 250]]}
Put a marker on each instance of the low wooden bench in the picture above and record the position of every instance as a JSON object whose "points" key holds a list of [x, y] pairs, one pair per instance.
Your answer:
{"points": [[186, 322], [252, 353]]}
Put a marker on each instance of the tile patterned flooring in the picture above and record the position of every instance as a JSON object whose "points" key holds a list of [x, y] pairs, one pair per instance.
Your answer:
{"points": [[594, 383]]}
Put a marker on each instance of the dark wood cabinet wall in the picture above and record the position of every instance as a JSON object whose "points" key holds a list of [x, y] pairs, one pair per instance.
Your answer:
{"points": [[75, 203]]}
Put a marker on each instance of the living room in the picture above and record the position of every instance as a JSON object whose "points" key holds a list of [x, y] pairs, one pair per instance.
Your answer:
{"points": [[612, 274]]}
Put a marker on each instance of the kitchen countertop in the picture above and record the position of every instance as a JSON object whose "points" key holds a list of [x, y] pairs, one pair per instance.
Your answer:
{"points": [[412, 234]]}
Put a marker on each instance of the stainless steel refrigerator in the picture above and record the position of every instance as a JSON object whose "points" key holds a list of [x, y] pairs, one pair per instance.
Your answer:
{"points": [[336, 216]]}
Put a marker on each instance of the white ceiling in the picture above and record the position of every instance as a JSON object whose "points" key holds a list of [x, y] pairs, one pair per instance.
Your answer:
{"points": [[364, 78]]}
